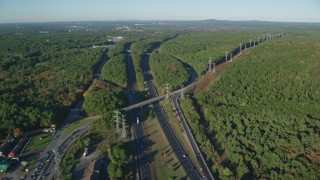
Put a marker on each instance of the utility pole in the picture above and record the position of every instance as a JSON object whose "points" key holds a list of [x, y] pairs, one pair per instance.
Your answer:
{"points": [[250, 42], [240, 47], [226, 56], [245, 46], [117, 120], [167, 91], [182, 92], [210, 64], [214, 67], [124, 131], [231, 56]]}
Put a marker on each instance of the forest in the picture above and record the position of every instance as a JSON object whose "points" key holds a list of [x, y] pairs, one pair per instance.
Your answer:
{"points": [[121, 162], [196, 48], [42, 75], [138, 49], [167, 70], [261, 115], [102, 97]]}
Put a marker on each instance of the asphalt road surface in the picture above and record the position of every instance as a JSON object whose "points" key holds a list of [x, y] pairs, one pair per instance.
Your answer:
{"points": [[174, 142], [141, 153], [204, 167]]}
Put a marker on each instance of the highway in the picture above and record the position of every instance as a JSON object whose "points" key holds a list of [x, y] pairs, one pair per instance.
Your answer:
{"points": [[140, 147], [194, 145], [174, 142], [193, 78], [60, 150]]}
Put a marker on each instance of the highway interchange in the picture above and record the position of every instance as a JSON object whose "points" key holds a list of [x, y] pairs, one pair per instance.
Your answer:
{"points": [[45, 168]]}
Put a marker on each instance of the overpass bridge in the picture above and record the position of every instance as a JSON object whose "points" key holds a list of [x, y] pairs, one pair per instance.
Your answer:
{"points": [[158, 98]]}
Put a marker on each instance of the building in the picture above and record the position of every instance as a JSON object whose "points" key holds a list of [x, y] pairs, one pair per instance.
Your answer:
{"points": [[4, 148], [4, 166]]}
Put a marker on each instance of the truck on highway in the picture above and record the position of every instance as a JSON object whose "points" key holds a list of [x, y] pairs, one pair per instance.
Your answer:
{"points": [[85, 152]]}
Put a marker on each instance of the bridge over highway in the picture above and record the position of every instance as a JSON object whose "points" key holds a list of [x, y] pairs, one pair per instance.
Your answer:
{"points": [[158, 98]]}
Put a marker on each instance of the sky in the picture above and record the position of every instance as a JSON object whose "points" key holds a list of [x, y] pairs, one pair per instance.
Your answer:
{"points": [[13, 11]]}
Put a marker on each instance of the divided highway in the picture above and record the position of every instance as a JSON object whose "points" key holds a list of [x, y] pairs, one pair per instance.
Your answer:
{"points": [[141, 153], [174, 142], [194, 145], [193, 78]]}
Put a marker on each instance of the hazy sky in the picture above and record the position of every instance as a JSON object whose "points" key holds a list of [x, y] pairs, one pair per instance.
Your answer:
{"points": [[75, 10]]}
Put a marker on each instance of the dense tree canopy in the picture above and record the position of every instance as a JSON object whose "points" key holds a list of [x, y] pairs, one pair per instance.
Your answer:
{"points": [[119, 167], [41, 76], [196, 48], [102, 97], [138, 49], [114, 71], [264, 112], [167, 70]]}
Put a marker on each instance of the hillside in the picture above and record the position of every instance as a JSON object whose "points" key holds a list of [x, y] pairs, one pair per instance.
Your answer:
{"points": [[262, 114]]}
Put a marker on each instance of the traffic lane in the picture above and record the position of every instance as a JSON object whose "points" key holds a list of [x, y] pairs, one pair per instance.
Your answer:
{"points": [[181, 155], [140, 146], [144, 172], [61, 150], [184, 160], [144, 156], [192, 140]]}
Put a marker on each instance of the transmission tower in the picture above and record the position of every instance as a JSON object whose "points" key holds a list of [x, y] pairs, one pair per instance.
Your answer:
{"points": [[182, 92], [214, 67], [231, 56], [117, 120], [167, 91], [245, 46], [210, 64], [250, 43], [240, 47], [226, 56], [124, 131]]}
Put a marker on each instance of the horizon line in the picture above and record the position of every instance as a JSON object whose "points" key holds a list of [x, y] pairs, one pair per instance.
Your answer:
{"points": [[176, 20]]}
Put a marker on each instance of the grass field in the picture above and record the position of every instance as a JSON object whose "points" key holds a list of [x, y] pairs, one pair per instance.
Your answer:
{"points": [[178, 130], [38, 142], [164, 163], [71, 127]]}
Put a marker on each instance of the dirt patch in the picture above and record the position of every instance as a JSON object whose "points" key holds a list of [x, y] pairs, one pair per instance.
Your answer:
{"points": [[208, 78]]}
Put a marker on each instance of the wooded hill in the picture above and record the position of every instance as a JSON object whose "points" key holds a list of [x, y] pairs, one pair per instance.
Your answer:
{"points": [[262, 116]]}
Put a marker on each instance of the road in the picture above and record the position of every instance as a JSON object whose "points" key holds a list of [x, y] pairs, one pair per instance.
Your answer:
{"points": [[140, 147], [60, 150], [194, 145], [174, 142], [196, 150], [73, 114]]}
